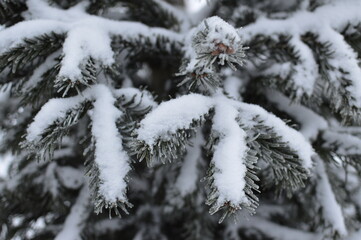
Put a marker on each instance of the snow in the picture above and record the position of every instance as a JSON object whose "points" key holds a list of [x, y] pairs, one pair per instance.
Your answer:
{"points": [[87, 35], [306, 70], [41, 9], [142, 99], [11, 37], [343, 58], [76, 220], [54, 109], [233, 84], [344, 143], [177, 12], [70, 177], [229, 155], [186, 182], [173, 115], [231, 149], [331, 210], [355, 236], [83, 42], [39, 71], [295, 140], [279, 69], [110, 157], [5, 161], [273, 230], [221, 38], [219, 31], [90, 36], [51, 183], [325, 21], [199, 9], [311, 122], [336, 15], [195, 5]]}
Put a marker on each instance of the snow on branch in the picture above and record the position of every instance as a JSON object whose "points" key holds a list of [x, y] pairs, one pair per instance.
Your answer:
{"points": [[293, 138], [271, 229], [331, 210], [165, 130], [110, 158], [336, 16], [15, 35], [241, 134], [342, 143], [173, 115], [305, 71], [56, 109], [76, 220], [88, 38], [214, 39], [181, 16], [81, 43], [108, 161], [344, 61], [228, 173], [337, 67], [186, 181], [311, 123], [135, 101], [36, 77]]}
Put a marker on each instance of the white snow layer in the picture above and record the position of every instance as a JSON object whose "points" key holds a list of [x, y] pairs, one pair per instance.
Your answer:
{"points": [[186, 182], [229, 155], [5, 161], [87, 35], [295, 140], [331, 209], [230, 151], [76, 220], [311, 122], [344, 143], [39, 71], [179, 113], [54, 109], [83, 42], [218, 32], [70, 177], [326, 22], [109, 154], [273, 230], [306, 71], [112, 160], [142, 99], [173, 115]]}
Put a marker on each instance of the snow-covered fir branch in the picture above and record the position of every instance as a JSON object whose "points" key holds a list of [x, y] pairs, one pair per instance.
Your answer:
{"points": [[180, 119]]}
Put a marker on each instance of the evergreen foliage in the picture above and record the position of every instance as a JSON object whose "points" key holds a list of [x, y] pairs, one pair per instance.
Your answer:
{"points": [[141, 120]]}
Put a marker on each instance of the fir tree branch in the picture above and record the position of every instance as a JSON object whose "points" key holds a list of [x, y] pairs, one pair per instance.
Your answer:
{"points": [[147, 46], [18, 60], [285, 167], [337, 91], [331, 210], [213, 40], [144, 10], [164, 136], [51, 137]]}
